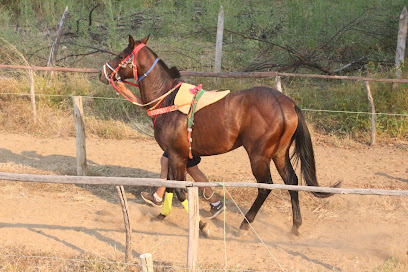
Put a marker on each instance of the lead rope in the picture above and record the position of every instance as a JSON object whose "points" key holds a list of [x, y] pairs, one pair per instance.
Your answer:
{"points": [[259, 237], [209, 196], [147, 104]]}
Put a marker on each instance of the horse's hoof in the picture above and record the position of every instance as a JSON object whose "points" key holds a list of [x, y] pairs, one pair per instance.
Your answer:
{"points": [[205, 229], [242, 232], [244, 226], [243, 229], [295, 231], [160, 217]]}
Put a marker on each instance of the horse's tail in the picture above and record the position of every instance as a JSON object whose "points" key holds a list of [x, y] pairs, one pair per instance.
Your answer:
{"points": [[304, 151]]}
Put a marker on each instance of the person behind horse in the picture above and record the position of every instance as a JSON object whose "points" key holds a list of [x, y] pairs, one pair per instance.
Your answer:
{"points": [[156, 199]]}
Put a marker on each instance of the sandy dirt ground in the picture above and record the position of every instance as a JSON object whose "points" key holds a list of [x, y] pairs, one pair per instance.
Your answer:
{"points": [[341, 233]]}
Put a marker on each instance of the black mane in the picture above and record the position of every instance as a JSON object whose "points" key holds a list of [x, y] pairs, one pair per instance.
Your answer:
{"points": [[174, 72]]}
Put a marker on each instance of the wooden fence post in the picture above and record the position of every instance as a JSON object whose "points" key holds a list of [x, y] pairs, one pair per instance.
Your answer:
{"points": [[193, 228], [80, 136], [278, 83], [146, 262], [402, 39], [373, 116], [32, 95], [218, 43], [56, 43], [126, 219]]}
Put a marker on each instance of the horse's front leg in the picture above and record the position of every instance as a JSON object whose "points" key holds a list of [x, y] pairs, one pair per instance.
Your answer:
{"points": [[167, 204], [177, 171]]}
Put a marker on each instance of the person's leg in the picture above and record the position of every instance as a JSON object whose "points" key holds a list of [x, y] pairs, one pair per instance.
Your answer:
{"points": [[199, 176], [156, 199], [164, 169], [216, 205]]}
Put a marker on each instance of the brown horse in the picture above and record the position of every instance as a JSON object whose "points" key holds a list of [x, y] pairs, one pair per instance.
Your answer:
{"points": [[262, 120]]}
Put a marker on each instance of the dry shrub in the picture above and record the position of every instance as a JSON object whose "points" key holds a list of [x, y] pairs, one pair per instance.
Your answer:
{"points": [[15, 80], [16, 117], [111, 129], [9, 84], [26, 259]]}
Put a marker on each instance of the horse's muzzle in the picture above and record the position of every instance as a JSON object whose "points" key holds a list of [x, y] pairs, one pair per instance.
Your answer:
{"points": [[102, 77]]}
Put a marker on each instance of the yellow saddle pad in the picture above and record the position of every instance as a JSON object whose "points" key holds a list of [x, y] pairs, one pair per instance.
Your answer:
{"points": [[184, 96]]}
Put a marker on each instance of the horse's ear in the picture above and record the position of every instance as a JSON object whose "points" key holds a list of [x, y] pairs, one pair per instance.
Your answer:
{"points": [[131, 42], [145, 39]]}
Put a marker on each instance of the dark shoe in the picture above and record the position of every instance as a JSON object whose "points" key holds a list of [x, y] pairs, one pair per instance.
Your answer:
{"points": [[216, 210], [149, 198]]}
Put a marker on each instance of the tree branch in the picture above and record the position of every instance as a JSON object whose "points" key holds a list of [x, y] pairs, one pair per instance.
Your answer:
{"points": [[90, 14]]}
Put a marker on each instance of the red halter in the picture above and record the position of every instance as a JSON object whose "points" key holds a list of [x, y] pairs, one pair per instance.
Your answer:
{"points": [[121, 64]]}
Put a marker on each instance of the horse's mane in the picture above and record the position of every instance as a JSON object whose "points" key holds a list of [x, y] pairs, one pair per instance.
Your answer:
{"points": [[173, 72]]}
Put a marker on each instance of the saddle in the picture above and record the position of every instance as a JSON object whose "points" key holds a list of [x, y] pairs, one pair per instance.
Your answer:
{"points": [[187, 92]]}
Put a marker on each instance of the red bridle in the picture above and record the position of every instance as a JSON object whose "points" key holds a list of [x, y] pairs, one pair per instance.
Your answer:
{"points": [[121, 64]]}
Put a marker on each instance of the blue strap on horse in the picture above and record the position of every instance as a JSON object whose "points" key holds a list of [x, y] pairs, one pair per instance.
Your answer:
{"points": [[148, 72], [190, 116]]}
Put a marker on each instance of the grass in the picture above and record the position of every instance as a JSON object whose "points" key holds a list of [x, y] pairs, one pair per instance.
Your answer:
{"points": [[21, 259], [351, 97], [392, 265]]}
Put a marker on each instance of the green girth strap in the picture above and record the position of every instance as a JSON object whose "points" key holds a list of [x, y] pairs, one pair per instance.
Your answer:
{"points": [[193, 107], [190, 119]]}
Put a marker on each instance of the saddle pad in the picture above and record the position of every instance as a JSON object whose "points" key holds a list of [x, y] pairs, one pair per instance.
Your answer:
{"points": [[184, 96]]}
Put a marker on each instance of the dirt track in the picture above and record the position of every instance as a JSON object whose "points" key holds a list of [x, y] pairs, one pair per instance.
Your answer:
{"points": [[342, 233]]}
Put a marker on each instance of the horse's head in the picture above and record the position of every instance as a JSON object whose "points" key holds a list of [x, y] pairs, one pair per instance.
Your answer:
{"points": [[123, 66]]}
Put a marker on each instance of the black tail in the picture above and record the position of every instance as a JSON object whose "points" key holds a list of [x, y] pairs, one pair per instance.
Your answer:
{"points": [[304, 151]]}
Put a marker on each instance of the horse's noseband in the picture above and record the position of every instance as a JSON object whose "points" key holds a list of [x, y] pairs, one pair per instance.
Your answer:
{"points": [[108, 77]]}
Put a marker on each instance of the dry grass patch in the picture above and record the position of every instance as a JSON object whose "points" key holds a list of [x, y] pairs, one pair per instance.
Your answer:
{"points": [[16, 117], [24, 259]]}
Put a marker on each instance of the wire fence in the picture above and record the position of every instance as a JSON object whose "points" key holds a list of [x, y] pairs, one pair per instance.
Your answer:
{"points": [[395, 127], [124, 100]]}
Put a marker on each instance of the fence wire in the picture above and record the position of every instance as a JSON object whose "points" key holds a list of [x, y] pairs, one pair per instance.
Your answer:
{"points": [[121, 99]]}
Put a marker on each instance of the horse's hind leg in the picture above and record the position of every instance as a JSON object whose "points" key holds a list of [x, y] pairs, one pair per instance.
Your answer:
{"points": [[285, 169], [261, 170]]}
